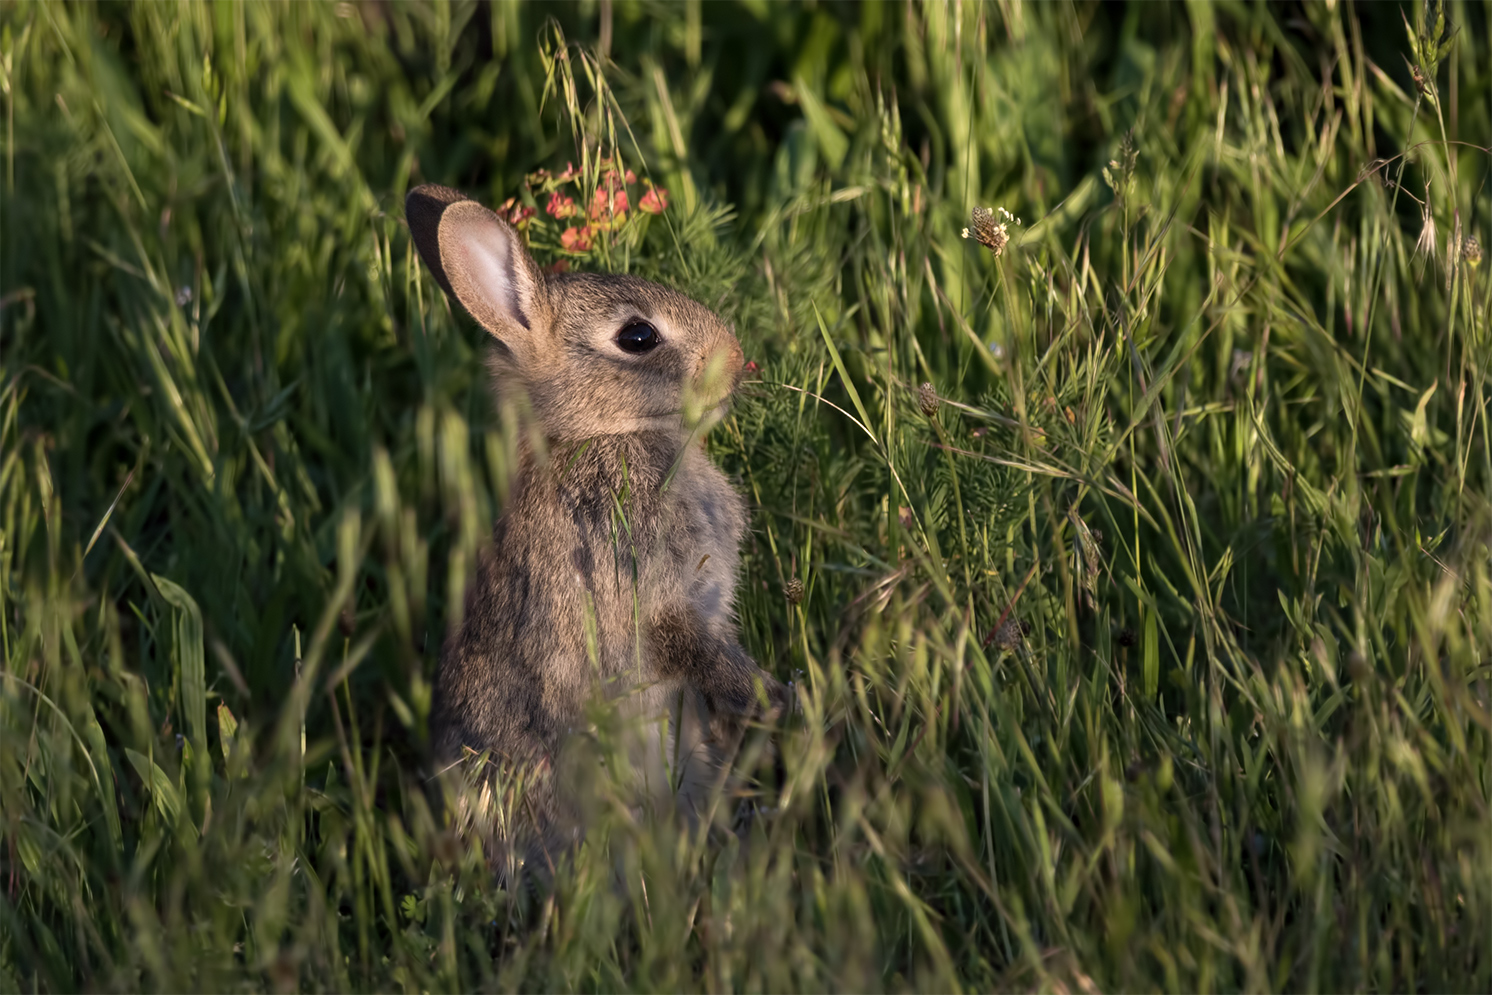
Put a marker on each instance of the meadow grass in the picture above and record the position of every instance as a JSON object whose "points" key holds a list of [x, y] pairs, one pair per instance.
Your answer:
{"points": [[1145, 647]]}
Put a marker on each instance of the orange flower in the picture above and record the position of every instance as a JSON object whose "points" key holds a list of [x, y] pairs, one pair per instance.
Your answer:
{"points": [[577, 239], [655, 201]]}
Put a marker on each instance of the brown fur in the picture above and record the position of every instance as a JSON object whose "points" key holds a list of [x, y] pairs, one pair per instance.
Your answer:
{"points": [[612, 570]]}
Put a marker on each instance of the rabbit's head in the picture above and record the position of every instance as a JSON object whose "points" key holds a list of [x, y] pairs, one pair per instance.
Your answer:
{"points": [[593, 354]]}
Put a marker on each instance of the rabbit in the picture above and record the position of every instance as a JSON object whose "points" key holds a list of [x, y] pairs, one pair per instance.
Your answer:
{"points": [[612, 568]]}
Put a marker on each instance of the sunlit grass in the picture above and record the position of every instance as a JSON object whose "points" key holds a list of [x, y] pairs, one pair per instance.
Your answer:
{"points": [[1144, 648]]}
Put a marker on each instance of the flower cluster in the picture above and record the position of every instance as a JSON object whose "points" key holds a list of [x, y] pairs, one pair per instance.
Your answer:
{"points": [[515, 213], [607, 209]]}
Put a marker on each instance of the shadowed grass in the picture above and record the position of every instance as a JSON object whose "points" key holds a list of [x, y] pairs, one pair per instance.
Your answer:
{"points": [[1146, 647]]}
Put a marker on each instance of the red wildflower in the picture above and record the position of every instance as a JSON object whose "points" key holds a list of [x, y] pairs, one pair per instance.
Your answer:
{"points": [[655, 201], [617, 208], [560, 207], [515, 213], [611, 174], [577, 239]]}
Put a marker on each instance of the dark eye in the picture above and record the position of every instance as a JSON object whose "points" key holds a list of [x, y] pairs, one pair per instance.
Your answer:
{"points": [[638, 336]]}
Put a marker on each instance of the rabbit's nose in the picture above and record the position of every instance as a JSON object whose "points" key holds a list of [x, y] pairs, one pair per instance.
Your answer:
{"points": [[734, 358], [731, 358]]}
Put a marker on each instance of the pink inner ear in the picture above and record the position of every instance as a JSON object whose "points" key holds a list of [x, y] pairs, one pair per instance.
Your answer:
{"points": [[484, 268]]}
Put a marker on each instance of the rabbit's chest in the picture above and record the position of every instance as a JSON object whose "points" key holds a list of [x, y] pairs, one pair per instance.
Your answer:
{"points": [[703, 551], [632, 554]]}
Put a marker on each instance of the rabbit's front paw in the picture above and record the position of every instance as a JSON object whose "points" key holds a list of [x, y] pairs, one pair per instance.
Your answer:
{"points": [[747, 696], [766, 698], [779, 697]]}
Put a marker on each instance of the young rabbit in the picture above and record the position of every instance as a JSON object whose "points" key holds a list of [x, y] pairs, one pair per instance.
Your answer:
{"points": [[613, 565]]}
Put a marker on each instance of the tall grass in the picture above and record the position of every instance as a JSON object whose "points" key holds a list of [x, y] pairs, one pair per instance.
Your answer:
{"points": [[1145, 648]]}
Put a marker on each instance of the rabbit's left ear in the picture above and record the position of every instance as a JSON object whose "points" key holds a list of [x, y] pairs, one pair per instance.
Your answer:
{"points": [[480, 261]]}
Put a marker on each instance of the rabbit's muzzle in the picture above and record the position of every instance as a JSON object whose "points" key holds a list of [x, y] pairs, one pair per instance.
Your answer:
{"points": [[717, 372]]}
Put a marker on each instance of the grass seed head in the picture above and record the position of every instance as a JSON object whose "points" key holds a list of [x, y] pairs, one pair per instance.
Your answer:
{"points": [[1471, 250], [1425, 246]]}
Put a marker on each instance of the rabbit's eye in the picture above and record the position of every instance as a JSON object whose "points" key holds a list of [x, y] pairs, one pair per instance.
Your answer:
{"points": [[638, 336]]}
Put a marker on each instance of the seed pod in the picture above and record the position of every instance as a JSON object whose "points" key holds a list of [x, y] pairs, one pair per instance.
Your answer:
{"points": [[927, 399], [1471, 250], [794, 591], [1010, 632]]}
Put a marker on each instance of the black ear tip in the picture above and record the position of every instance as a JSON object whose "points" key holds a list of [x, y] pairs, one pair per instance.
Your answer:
{"points": [[423, 207], [433, 196]]}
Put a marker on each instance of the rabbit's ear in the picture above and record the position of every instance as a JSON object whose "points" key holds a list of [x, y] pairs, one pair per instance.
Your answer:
{"points": [[478, 259]]}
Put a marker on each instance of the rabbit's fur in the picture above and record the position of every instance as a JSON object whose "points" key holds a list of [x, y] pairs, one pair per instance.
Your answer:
{"points": [[613, 565]]}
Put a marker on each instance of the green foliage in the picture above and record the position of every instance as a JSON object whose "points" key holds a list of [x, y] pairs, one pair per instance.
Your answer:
{"points": [[1146, 648]]}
